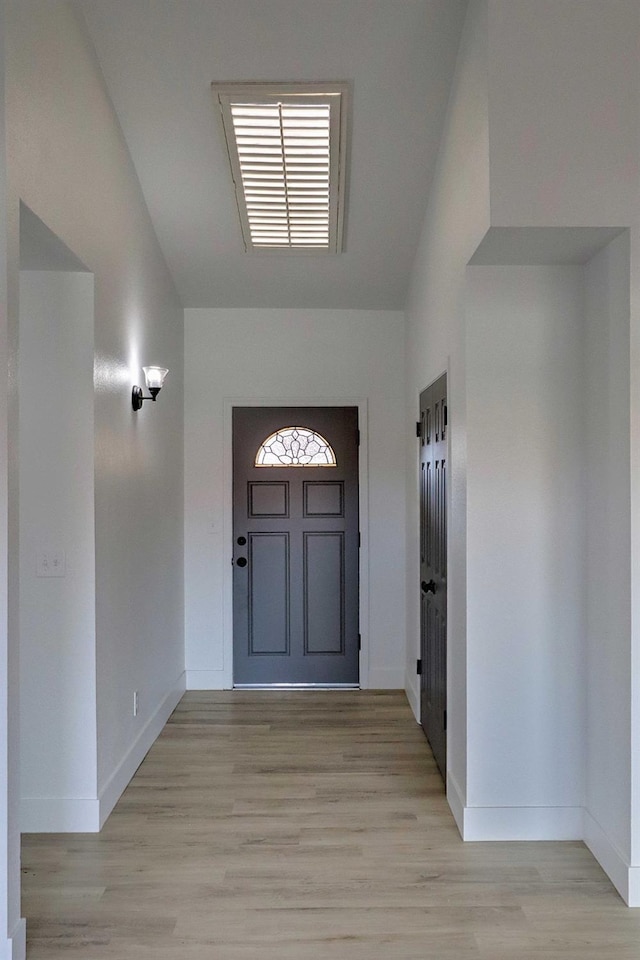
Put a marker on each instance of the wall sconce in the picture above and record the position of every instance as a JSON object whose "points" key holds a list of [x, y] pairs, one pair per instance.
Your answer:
{"points": [[154, 378]]}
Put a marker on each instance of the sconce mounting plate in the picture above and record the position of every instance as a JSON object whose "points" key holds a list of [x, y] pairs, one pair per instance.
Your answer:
{"points": [[136, 398]]}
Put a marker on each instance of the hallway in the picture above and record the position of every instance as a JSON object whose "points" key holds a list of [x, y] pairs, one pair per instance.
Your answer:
{"points": [[307, 826]]}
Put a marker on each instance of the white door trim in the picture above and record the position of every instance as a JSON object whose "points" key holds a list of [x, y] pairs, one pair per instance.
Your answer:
{"points": [[227, 521]]}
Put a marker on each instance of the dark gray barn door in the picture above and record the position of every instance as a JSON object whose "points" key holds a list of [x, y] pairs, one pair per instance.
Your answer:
{"points": [[295, 529], [433, 568]]}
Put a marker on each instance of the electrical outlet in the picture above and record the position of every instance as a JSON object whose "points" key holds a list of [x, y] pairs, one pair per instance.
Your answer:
{"points": [[135, 703], [51, 563]]}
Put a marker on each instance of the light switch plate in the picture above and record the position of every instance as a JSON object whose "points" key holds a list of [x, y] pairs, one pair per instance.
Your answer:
{"points": [[51, 563]]}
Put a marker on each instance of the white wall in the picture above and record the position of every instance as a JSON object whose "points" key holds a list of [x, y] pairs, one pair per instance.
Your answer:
{"points": [[526, 543], [564, 80], [556, 93], [456, 220], [58, 738], [68, 163], [12, 928], [565, 152], [609, 732], [297, 356]]}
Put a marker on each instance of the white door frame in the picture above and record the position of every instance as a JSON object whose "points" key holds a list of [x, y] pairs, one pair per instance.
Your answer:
{"points": [[227, 520]]}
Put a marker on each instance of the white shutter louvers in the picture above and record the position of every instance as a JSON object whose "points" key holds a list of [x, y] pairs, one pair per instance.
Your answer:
{"points": [[287, 146]]}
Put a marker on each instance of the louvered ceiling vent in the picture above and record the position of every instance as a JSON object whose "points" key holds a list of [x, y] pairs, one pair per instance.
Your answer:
{"points": [[287, 146]]}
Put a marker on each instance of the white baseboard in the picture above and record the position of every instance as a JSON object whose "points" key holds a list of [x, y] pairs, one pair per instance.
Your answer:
{"points": [[633, 898], [455, 800], [59, 815], [522, 823], [625, 878], [413, 694], [15, 948], [121, 776], [385, 680], [208, 680], [88, 814]]}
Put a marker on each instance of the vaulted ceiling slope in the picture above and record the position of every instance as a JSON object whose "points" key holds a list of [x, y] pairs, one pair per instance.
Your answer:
{"points": [[159, 58]]}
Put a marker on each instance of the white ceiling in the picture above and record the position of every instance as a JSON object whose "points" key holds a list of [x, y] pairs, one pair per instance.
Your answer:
{"points": [[159, 58]]}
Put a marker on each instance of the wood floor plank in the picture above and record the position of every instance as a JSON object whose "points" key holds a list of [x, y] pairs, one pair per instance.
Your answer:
{"points": [[307, 826]]}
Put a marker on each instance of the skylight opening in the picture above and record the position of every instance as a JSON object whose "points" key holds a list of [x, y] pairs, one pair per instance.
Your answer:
{"points": [[287, 150]]}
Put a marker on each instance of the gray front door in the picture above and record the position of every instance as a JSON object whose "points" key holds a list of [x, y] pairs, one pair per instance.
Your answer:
{"points": [[433, 568], [295, 549]]}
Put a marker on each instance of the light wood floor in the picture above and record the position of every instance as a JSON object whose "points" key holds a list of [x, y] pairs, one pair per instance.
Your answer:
{"points": [[307, 826]]}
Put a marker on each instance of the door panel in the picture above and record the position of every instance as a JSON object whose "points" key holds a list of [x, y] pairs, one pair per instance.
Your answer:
{"points": [[324, 590], [296, 551], [268, 499], [269, 608], [323, 499], [433, 567]]}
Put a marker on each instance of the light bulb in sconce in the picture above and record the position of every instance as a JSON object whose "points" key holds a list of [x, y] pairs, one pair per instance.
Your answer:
{"points": [[154, 378]]}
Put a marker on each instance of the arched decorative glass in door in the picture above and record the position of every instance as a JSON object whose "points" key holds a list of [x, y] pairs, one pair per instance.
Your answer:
{"points": [[295, 447]]}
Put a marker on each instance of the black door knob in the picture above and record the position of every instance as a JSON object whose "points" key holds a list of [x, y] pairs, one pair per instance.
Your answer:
{"points": [[241, 562], [428, 587]]}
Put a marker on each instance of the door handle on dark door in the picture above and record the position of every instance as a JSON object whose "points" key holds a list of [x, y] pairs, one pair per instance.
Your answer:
{"points": [[241, 562], [428, 587]]}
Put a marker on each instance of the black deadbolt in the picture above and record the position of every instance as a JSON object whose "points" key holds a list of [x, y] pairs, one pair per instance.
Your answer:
{"points": [[241, 541], [241, 562]]}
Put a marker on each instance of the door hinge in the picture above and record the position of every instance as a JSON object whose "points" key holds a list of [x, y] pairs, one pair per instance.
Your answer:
{"points": [[357, 438], [444, 720], [359, 539], [419, 429], [419, 667], [359, 641], [446, 415]]}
